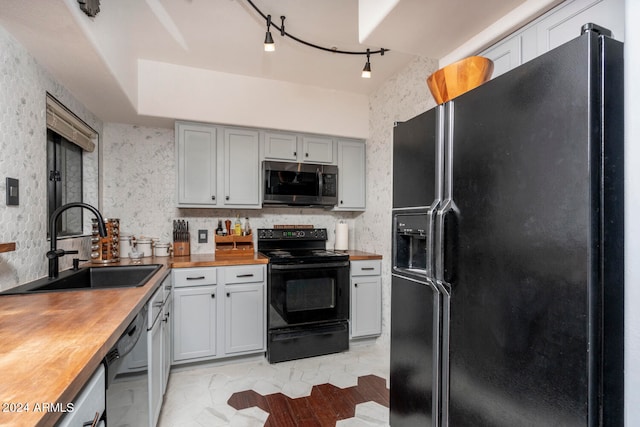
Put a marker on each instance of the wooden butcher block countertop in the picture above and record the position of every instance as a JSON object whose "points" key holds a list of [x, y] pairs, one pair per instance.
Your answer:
{"points": [[51, 343], [362, 256]]}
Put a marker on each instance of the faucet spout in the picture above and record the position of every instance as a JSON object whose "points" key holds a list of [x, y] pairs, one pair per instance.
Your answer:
{"points": [[55, 253]]}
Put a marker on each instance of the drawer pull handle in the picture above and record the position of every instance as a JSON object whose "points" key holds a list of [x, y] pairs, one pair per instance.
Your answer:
{"points": [[196, 278], [244, 275], [367, 268], [93, 423]]}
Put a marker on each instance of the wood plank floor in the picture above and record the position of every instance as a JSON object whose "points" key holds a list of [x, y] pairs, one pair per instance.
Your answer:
{"points": [[326, 404]]}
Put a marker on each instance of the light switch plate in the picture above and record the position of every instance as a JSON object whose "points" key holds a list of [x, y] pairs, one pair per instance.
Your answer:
{"points": [[13, 192], [203, 236]]}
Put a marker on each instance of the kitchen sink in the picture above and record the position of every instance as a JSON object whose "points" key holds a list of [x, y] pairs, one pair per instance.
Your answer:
{"points": [[123, 276]]}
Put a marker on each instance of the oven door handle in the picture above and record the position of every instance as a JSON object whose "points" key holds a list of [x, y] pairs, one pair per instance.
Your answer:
{"points": [[309, 266]]}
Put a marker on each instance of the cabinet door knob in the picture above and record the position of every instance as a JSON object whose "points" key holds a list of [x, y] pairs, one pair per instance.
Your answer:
{"points": [[213, 197], [306, 154], [341, 202], [295, 153], [355, 284], [227, 198], [213, 295], [228, 294]]}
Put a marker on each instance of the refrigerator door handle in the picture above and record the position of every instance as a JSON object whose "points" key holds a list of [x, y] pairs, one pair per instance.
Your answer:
{"points": [[431, 219], [443, 241]]}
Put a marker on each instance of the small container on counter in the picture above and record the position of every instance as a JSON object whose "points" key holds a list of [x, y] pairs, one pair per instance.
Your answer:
{"points": [[162, 249], [127, 243], [144, 245]]}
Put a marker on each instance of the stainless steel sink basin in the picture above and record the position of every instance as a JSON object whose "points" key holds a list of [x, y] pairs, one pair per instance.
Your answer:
{"points": [[124, 276]]}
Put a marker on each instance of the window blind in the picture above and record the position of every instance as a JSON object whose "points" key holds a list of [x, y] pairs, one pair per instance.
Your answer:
{"points": [[67, 124]]}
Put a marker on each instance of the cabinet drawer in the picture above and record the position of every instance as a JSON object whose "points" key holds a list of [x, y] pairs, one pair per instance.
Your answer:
{"points": [[365, 268], [183, 277], [244, 274]]}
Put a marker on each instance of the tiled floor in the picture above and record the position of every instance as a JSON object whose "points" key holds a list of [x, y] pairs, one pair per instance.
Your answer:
{"points": [[198, 396]]}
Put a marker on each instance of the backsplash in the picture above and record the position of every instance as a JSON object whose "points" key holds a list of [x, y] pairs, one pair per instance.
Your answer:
{"points": [[139, 188], [23, 88]]}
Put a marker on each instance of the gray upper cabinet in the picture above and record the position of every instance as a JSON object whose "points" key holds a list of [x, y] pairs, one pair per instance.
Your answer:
{"points": [[505, 55], [317, 149], [351, 175], [280, 146], [304, 148], [241, 168], [196, 156], [217, 166], [220, 166], [554, 28]]}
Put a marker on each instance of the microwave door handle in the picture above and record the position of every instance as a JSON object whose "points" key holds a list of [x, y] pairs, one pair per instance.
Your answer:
{"points": [[320, 183]]}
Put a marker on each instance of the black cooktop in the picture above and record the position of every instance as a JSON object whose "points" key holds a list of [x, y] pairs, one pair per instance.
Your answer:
{"points": [[303, 256], [297, 246]]}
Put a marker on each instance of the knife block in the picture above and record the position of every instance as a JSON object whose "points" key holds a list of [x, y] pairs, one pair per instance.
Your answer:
{"points": [[181, 249]]}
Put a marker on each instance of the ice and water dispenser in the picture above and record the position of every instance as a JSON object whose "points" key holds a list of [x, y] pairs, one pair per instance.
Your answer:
{"points": [[410, 243]]}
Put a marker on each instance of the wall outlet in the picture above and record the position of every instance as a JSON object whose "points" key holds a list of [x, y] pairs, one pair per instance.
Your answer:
{"points": [[203, 236]]}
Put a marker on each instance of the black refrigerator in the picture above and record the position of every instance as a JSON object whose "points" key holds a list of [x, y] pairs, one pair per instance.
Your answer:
{"points": [[507, 248]]}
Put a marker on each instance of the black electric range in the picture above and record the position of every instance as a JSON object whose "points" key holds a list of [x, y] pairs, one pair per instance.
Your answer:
{"points": [[308, 294]]}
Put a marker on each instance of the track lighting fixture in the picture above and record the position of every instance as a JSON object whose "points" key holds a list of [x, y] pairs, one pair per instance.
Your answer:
{"points": [[366, 71], [269, 45]]}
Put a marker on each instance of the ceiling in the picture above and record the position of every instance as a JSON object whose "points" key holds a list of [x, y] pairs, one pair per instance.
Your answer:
{"points": [[96, 58]]}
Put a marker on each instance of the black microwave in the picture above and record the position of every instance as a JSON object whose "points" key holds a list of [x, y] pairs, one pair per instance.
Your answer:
{"points": [[299, 184]]}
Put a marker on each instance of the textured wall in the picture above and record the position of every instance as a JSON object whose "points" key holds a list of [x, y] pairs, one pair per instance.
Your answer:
{"points": [[23, 87], [139, 188], [402, 97]]}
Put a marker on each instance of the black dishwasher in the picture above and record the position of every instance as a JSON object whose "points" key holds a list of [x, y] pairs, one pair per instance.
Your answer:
{"points": [[128, 376]]}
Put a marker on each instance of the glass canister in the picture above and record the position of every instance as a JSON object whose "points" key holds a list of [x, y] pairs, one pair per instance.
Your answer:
{"points": [[127, 243]]}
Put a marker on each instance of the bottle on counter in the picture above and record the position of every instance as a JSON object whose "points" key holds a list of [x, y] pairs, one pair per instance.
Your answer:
{"points": [[219, 229], [237, 227], [247, 227]]}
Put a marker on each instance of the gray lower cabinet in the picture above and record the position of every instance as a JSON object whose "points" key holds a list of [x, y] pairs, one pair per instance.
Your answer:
{"points": [[154, 350], [366, 299], [244, 309], [194, 323], [166, 341], [89, 404], [218, 312]]}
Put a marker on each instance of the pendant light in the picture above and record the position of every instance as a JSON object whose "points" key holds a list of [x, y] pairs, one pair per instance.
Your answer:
{"points": [[269, 45], [366, 71]]}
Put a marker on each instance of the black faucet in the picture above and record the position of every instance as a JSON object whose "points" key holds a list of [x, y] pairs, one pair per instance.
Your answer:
{"points": [[55, 253]]}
